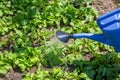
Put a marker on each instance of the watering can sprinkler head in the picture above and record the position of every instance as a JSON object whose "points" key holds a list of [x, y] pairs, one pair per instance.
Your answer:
{"points": [[63, 37], [109, 24]]}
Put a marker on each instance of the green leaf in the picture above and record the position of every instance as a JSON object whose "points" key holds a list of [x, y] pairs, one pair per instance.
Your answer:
{"points": [[3, 70], [92, 73], [1, 56], [22, 66], [83, 75], [20, 33], [33, 59], [1, 13]]}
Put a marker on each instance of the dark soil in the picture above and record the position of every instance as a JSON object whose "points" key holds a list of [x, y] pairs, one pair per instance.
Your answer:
{"points": [[14, 75], [102, 6]]}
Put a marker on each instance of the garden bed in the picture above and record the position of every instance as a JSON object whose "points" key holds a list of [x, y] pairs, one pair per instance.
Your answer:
{"points": [[15, 73]]}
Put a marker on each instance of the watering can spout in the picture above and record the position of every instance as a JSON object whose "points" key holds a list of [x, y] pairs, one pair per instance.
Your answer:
{"points": [[62, 36], [96, 37]]}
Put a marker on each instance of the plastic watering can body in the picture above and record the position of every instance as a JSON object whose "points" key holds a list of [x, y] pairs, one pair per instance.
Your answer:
{"points": [[109, 23], [110, 26]]}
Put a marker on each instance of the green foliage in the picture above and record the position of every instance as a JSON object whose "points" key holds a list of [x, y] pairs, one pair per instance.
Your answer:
{"points": [[26, 31], [52, 56]]}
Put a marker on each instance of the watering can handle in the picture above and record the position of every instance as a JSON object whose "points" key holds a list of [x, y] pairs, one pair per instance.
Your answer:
{"points": [[97, 37]]}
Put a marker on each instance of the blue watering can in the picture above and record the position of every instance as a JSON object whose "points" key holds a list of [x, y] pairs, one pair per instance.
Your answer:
{"points": [[109, 23]]}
